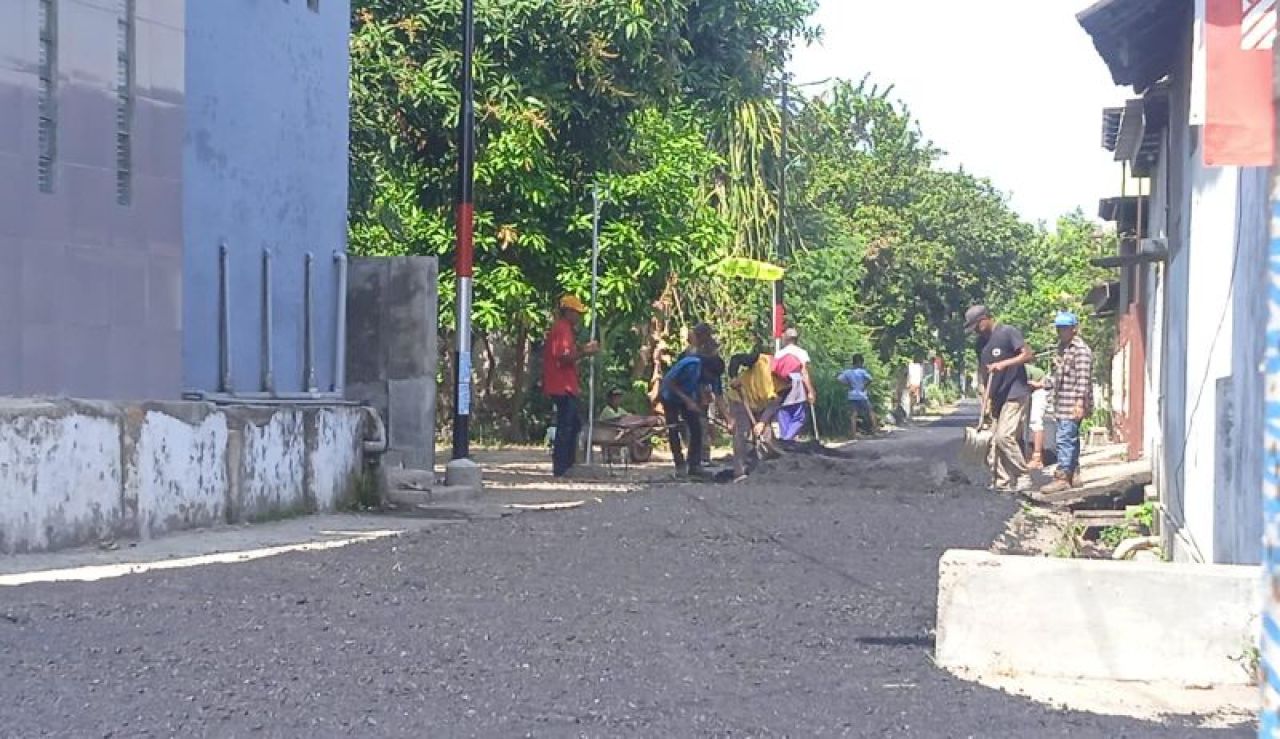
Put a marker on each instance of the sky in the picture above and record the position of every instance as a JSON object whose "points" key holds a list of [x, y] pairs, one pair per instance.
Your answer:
{"points": [[1013, 90]]}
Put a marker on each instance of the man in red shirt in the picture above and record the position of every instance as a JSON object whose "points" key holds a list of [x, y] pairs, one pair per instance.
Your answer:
{"points": [[560, 357]]}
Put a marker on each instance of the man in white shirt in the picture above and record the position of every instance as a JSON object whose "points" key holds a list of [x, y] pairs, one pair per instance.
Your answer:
{"points": [[793, 414], [915, 384]]}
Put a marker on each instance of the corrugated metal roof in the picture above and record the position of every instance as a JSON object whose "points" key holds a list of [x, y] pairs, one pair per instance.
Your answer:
{"points": [[1137, 38]]}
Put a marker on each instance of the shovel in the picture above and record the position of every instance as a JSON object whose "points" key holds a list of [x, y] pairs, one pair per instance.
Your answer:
{"points": [[977, 439]]}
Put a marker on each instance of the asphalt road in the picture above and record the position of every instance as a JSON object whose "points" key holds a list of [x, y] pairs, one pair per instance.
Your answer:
{"points": [[799, 604]]}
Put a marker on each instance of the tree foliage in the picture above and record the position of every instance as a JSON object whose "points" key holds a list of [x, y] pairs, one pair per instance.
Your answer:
{"points": [[670, 109]]}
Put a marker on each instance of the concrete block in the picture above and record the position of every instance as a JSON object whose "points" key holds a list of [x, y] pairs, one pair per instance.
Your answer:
{"points": [[59, 478], [1067, 618], [334, 456], [410, 422], [272, 463], [179, 477], [463, 473]]}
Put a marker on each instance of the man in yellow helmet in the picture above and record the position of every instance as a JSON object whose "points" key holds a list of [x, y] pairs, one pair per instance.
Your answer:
{"points": [[560, 357]]}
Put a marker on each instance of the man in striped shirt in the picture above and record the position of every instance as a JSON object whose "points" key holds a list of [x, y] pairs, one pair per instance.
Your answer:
{"points": [[1072, 398]]}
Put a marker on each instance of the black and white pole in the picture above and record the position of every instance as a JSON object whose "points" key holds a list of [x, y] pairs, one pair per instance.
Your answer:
{"points": [[595, 316], [464, 213]]}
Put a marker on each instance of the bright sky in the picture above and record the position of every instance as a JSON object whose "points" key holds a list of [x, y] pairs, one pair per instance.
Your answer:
{"points": [[1012, 89]]}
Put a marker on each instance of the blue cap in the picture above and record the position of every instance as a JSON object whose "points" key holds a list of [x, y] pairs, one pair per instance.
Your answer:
{"points": [[1066, 319]]}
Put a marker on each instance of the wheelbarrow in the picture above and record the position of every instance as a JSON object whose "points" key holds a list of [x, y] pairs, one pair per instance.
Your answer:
{"points": [[629, 438]]}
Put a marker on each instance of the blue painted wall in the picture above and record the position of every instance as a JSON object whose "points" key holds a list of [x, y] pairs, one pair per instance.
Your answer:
{"points": [[265, 166]]}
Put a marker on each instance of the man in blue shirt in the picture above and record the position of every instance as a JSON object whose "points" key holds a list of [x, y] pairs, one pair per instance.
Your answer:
{"points": [[858, 379], [682, 387]]}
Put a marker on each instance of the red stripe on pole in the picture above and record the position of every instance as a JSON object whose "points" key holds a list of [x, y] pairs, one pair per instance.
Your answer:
{"points": [[779, 320], [466, 219]]}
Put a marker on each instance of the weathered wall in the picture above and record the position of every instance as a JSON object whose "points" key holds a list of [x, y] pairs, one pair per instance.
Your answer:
{"points": [[392, 343], [1240, 421], [266, 168], [73, 472], [91, 290]]}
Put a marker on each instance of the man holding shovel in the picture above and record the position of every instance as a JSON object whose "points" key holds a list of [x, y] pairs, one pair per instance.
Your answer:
{"points": [[1002, 358]]}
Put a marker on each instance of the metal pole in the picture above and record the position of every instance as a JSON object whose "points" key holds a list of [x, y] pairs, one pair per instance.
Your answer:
{"points": [[308, 327], [779, 309], [595, 316], [268, 326], [340, 326], [1269, 725], [465, 214], [224, 318]]}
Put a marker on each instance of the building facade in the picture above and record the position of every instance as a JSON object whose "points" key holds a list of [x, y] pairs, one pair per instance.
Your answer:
{"points": [[1201, 268], [171, 169]]}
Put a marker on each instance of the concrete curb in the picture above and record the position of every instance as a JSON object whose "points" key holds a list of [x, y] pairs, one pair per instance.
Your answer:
{"points": [[1094, 619]]}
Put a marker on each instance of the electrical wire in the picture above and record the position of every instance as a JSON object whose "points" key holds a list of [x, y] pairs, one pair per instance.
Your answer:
{"points": [[1204, 380]]}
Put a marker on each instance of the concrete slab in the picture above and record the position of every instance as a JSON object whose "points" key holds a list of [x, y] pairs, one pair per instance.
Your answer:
{"points": [[1090, 619]]}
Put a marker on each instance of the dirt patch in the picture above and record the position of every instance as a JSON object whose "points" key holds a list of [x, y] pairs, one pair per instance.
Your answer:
{"points": [[1038, 532]]}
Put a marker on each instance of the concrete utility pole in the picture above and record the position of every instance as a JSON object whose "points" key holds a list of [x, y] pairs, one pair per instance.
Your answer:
{"points": [[1269, 725]]}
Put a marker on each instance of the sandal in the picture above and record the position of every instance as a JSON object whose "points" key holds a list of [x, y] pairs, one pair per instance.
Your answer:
{"points": [[1036, 462]]}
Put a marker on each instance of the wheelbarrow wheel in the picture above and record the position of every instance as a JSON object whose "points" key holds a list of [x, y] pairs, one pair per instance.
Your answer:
{"points": [[641, 451]]}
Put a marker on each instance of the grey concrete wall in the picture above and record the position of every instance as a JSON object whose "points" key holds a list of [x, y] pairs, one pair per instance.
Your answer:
{"points": [[1240, 422], [75, 472], [392, 350], [91, 290], [265, 161]]}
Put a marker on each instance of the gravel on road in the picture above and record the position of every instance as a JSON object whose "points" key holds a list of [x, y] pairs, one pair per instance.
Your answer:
{"points": [[799, 603]]}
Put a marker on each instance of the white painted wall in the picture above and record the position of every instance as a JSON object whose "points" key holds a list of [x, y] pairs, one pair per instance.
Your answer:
{"points": [[1209, 326], [73, 473]]}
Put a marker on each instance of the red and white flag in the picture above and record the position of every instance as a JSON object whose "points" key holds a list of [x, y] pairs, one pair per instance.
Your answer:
{"points": [[1238, 123]]}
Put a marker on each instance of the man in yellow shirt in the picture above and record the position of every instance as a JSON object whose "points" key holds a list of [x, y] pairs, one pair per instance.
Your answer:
{"points": [[754, 400]]}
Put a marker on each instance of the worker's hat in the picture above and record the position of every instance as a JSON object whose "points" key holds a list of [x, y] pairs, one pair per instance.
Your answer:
{"points": [[1066, 319], [571, 302]]}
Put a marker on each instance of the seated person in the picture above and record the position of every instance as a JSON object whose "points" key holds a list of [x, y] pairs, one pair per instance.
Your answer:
{"points": [[613, 410]]}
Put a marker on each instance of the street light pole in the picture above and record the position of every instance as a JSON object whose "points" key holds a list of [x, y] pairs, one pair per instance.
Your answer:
{"points": [[779, 309], [465, 214]]}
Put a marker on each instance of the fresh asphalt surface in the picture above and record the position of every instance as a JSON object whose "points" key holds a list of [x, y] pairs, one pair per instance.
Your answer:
{"points": [[798, 604]]}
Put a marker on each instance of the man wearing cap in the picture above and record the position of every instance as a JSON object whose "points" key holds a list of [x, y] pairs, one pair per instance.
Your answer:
{"points": [[560, 357], [1072, 398], [681, 390], [1002, 358]]}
